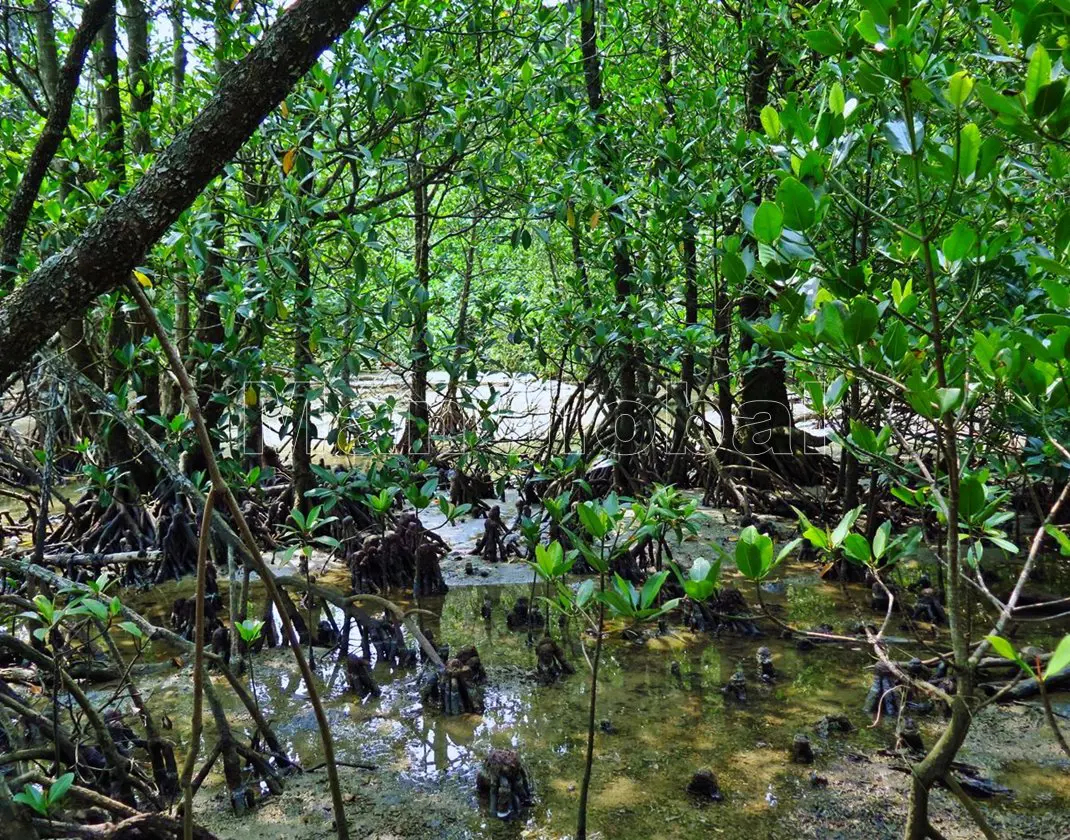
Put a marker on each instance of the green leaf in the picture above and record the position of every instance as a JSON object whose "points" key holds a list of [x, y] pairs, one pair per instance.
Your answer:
{"points": [[768, 222], [828, 326], [593, 558], [1062, 539], [1049, 98], [770, 122], [93, 607], [880, 539], [844, 526], [867, 28], [733, 269], [1002, 647], [863, 437], [787, 550], [861, 321], [748, 556], [1038, 74], [969, 149], [33, 797], [971, 497], [834, 393], [1060, 659], [1001, 103], [960, 85], [948, 399], [856, 547], [898, 136], [960, 242], [651, 588], [824, 41], [837, 99], [132, 629], [249, 630], [592, 520], [1000, 542], [59, 788], [584, 593], [798, 204]]}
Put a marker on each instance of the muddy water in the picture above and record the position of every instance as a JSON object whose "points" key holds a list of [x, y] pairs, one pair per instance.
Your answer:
{"points": [[661, 729]]}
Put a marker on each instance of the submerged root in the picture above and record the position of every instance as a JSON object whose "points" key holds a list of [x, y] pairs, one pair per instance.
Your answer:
{"points": [[726, 611]]}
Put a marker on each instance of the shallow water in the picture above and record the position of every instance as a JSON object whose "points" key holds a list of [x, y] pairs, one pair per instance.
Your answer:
{"points": [[665, 728]]}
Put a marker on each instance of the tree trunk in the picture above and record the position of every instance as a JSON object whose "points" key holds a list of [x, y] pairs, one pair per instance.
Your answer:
{"points": [[460, 333], [178, 53], [688, 239], [139, 83], [109, 113], [170, 395], [47, 52], [138, 74], [302, 448], [109, 103], [210, 330], [625, 407], [764, 399], [722, 325], [417, 430], [103, 256], [255, 194]]}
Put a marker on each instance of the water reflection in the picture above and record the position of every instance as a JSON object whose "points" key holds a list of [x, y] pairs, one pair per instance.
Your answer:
{"points": [[663, 722]]}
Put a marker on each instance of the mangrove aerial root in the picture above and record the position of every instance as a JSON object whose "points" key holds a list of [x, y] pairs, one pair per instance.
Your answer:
{"points": [[504, 782], [704, 787]]}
